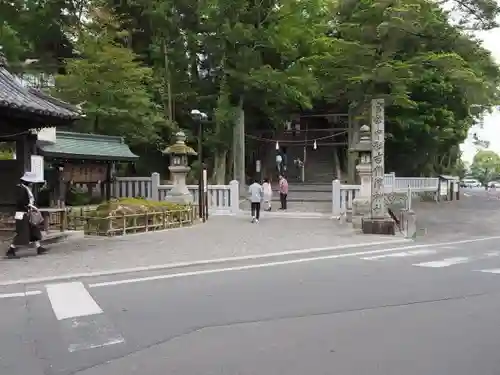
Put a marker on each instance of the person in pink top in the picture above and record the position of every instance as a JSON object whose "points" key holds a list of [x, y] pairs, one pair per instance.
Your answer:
{"points": [[283, 191]]}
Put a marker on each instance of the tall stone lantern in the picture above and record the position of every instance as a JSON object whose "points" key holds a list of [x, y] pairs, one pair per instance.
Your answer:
{"points": [[361, 203], [179, 168]]}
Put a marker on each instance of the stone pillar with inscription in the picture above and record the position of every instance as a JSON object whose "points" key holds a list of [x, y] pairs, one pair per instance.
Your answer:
{"points": [[361, 203], [379, 221]]}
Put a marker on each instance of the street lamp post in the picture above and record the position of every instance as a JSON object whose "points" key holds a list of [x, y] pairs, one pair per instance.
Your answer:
{"points": [[200, 118]]}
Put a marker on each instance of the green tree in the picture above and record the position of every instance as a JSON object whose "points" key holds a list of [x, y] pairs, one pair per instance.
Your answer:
{"points": [[40, 28], [113, 89], [258, 61], [239, 61], [11, 44], [485, 166], [436, 88]]}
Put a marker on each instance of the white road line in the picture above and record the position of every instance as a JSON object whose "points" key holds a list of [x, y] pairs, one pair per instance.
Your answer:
{"points": [[71, 300], [278, 263], [23, 294], [491, 270], [162, 267], [443, 263], [207, 262], [492, 254], [112, 341], [402, 254]]}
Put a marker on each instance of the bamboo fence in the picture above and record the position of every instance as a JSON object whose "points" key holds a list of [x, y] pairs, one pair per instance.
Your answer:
{"points": [[118, 225]]}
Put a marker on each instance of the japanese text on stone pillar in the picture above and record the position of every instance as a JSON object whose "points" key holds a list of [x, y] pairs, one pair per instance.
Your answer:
{"points": [[377, 196]]}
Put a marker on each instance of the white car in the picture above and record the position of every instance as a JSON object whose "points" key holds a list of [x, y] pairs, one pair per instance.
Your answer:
{"points": [[493, 184], [470, 183]]}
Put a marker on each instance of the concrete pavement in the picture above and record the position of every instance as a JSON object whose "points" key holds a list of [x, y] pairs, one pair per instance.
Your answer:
{"points": [[291, 296], [220, 238], [229, 237], [412, 309], [477, 213]]}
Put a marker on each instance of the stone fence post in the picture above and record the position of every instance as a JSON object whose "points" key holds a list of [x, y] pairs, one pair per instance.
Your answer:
{"points": [[393, 181], [234, 193], [155, 182], [336, 210]]}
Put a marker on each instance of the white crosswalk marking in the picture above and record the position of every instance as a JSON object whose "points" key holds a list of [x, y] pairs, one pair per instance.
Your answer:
{"points": [[402, 254], [71, 300], [82, 322], [492, 270], [444, 262], [432, 262]]}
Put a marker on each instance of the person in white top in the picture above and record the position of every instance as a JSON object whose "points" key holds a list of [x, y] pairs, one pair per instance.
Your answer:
{"points": [[268, 194], [255, 194]]}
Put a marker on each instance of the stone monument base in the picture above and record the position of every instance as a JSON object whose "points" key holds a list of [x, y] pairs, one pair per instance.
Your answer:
{"points": [[360, 209], [185, 198], [378, 226]]}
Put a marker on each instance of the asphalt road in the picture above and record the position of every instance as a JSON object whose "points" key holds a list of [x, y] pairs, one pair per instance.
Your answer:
{"points": [[417, 308]]}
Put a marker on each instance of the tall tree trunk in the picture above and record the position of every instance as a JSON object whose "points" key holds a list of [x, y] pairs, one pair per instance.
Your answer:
{"points": [[169, 106], [220, 156], [239, 147], [219, 171]]}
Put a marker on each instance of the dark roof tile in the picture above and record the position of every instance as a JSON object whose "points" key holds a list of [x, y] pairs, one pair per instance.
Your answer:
{"points": [[79, 146], [15, 96]]}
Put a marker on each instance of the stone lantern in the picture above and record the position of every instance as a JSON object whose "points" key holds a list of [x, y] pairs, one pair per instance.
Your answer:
{"points": [[179, 168], [361, 203]]}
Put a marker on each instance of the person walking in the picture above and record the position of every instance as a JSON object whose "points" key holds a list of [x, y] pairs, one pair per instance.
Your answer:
{"points": [[279, 163], [256, 194], [27, 217], [268, 194], [283, 187]]}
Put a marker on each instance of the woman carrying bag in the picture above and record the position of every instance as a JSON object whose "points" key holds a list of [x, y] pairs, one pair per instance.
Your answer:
{"points": [[27, 217]]}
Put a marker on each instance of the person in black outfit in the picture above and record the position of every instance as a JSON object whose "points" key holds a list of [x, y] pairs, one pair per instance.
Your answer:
{"points": [[26, 231]]}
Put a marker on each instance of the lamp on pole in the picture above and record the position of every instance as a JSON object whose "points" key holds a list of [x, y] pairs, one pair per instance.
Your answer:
{"points": [[200, 117]]}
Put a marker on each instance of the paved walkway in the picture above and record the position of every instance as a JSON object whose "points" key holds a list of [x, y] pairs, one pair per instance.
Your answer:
{"points": [[220, 237], [234, 236], [476, 214]]}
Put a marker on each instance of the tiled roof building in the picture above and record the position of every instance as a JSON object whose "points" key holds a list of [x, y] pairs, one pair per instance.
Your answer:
{"points": [[79, 146], [18, 98], [24, 111]]}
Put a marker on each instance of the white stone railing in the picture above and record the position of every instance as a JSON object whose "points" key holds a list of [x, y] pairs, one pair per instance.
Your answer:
{"points": [[222, 199], [131, 187], [389, 179], [343, 195], [416, 184]]}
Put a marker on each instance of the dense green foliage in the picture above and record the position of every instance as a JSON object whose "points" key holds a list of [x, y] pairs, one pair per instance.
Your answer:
{"points": [[486, 166], [138, 67]]}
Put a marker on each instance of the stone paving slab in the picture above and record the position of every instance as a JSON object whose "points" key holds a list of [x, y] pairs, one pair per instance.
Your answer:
{"points": [[220, 237]]}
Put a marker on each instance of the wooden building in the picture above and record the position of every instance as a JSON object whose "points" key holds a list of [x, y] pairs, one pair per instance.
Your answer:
{"points": [[23, 111], [314, 145], [84, 160]]}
